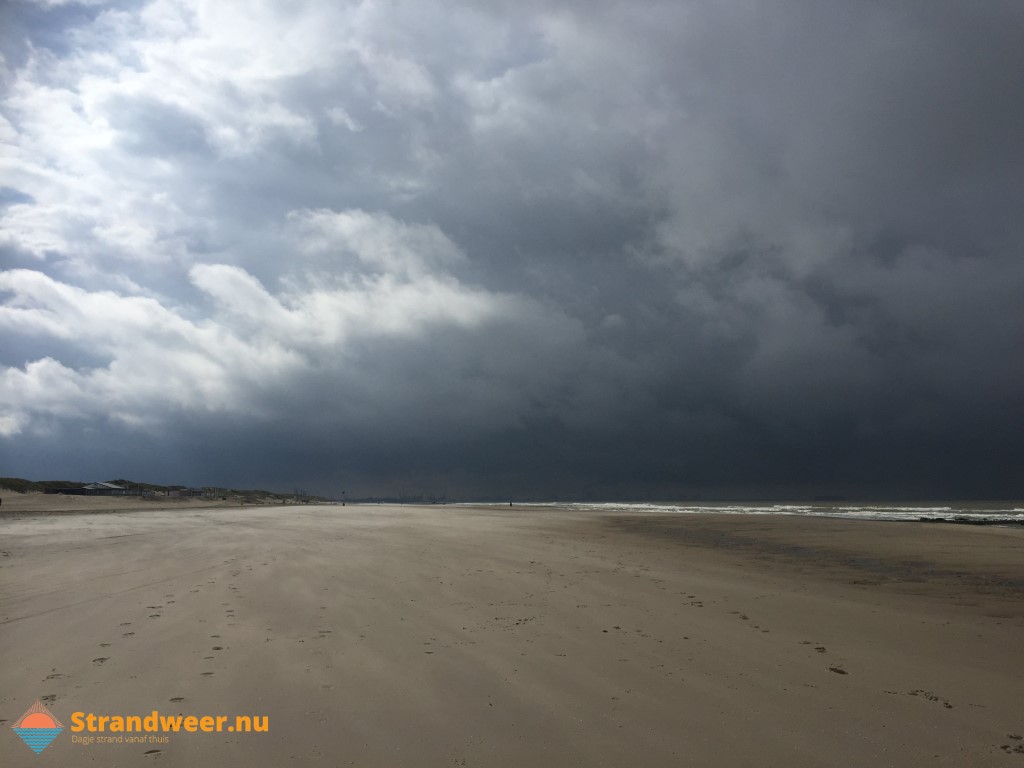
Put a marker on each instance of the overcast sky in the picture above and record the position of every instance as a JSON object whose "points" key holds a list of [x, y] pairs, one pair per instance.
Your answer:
{"points": [[515, 249]]}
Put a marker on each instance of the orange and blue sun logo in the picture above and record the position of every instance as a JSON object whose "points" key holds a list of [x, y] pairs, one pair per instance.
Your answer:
{"points": [[38, 727]]}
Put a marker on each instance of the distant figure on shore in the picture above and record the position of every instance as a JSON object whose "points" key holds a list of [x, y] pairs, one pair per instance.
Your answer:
{"points": [[510, 503]]}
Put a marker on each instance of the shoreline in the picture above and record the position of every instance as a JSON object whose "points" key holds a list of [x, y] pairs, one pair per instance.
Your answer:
{"points": [[980, 514]]}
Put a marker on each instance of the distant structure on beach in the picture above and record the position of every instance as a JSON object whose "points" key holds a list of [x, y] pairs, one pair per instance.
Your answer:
{"points": [[97, 489], [114, 489], [180, 491]]}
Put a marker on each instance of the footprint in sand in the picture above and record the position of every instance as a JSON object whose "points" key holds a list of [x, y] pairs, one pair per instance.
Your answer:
{"points": [[128, 634], [101, 660], [49, 698], [931, 697], [154, 615], [838, 670], [176, 699], [218, 648], [206, 674], [151, 752]]}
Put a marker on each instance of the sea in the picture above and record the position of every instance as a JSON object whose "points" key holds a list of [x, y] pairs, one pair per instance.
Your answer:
{"points": [[976, 513]]}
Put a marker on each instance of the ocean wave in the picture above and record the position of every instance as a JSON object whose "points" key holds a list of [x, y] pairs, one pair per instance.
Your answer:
{"points": [[894, 512]]}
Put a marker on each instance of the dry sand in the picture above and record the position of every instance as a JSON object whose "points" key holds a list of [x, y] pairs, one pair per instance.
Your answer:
{"points": [[444, 636]]}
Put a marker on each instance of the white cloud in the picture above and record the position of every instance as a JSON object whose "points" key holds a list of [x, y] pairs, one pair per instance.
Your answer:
{"points": [[338, 116], [379, 242], [254, 343]]}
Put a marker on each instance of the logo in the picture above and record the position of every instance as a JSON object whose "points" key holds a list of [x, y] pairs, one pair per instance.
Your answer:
{"points": [[38, 727]]}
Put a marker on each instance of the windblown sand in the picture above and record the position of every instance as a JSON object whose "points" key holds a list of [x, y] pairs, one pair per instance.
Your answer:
{"points": [[446, 636]]}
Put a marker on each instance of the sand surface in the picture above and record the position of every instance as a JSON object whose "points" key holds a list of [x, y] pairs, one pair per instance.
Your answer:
{"points": [[444, 636]]}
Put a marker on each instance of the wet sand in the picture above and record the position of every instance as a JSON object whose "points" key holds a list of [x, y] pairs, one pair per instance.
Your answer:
{"points": [[444, 636]]}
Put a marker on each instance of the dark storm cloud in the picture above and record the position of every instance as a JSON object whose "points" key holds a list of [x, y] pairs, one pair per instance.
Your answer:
{"points": [[586, 249]]}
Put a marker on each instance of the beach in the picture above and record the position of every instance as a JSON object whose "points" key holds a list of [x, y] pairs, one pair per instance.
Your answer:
{"points": [[377, 635]]}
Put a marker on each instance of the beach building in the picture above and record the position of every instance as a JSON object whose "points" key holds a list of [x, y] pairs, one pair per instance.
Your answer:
{"points": [[180, 491], [97, 489]]}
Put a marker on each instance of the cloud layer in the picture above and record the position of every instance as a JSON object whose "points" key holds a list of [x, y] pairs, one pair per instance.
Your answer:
{"points": [[611, 249]]}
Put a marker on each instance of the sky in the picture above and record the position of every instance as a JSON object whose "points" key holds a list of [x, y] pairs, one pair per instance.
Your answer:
{"points": [[523, 250]]}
